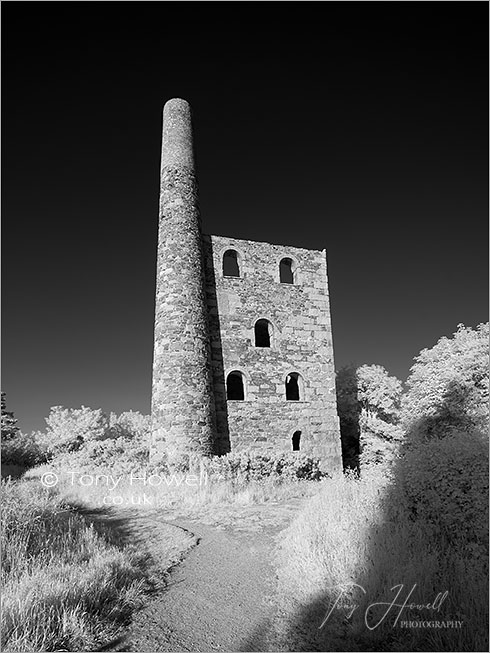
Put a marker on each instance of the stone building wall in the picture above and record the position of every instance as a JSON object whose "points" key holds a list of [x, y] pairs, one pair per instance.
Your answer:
{"points": [[301, 343]]}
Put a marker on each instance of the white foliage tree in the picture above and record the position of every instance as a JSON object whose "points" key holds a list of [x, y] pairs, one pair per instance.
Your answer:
{"points": [[379, 396], [448, 385]]}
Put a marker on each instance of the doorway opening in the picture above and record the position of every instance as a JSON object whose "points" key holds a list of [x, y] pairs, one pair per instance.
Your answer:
{"points": [[295, 440]]}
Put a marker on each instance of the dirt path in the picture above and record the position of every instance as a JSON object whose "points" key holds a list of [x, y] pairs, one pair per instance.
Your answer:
{"points": [[222, 596]]}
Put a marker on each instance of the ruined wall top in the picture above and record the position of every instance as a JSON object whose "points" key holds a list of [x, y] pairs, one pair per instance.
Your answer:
{"points": [[177, 147]]}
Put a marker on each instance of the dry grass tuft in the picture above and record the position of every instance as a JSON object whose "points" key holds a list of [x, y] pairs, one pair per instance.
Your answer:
{"points": [[65, 585]]}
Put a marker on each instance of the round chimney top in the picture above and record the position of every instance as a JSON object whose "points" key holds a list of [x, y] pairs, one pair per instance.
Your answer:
{"points": [[177, 146]]}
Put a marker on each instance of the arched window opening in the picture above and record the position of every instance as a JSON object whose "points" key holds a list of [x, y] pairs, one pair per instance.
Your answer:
{"points": [[286, 272], [231, 267], [295, 440], [294, 387], [235, 388], [263, 333]]}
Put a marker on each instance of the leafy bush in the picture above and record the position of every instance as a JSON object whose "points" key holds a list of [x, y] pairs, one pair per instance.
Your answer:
{"points": [[245, 466], [87, 439], [379, 393], [380, 441], [23, 450], [130, 424], [69, 428], [9, 423], [443, 483], [121, 456], [18, 448]]}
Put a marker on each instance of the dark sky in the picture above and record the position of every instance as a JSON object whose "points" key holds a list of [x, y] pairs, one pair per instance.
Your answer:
{"points": [[359, 127]]}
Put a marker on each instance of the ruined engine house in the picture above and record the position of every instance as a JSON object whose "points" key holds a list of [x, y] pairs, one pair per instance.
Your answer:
{"points": [[243, 354]]}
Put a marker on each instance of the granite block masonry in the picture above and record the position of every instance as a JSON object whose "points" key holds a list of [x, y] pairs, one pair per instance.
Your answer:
{"points": [[243, 354]]}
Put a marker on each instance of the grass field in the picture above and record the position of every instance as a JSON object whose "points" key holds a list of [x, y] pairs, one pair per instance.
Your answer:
{"points": [[352, 544], [68, 583], [423, 528]]}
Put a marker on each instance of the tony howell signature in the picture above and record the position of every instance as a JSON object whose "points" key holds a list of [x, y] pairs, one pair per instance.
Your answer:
{"points": [[372, 618]]}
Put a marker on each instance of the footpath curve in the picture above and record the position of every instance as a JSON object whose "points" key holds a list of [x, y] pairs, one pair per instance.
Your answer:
{"points": [[223, 595]]}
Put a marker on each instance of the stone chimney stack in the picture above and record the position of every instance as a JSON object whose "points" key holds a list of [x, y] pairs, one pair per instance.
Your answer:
{"points": [[183, 413]]}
